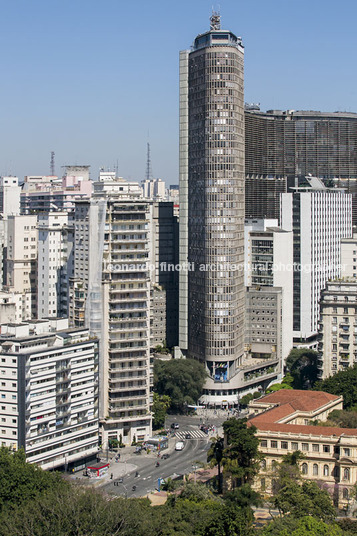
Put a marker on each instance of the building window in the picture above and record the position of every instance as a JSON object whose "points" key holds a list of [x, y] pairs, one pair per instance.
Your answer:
{"points": [[326, 448], [346, 474], [315, 469], [284, 444], [304, 446], [345, 494], [263, 464], [263, 443], [347, 452], [326, 470], [294, 445], [315, 447], [304, 468], [274, 444], [262, 484]]}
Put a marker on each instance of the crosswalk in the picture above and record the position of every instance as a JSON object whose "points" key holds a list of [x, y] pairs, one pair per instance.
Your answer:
{"points": [[195, 434]]}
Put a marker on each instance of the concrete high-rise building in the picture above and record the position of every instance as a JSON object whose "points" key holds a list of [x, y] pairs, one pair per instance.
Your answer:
{"points": [[269, 263], [55, 263], [21, 261], [49, 393], [294, 144], [337, 338], [212, 207], [110, 294], [48, 193], [349, 257], [319, 218], [262, 196], [154, 188]]}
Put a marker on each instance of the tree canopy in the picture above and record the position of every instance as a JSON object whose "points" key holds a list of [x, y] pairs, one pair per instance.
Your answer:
{"points": [[342, 383], [303, 526], [159, 408], [21, 481], [181, 379], [241, 456], [302, 366]]}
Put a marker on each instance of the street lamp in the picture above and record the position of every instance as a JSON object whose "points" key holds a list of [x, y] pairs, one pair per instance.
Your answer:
{"points": [[194, 467]]}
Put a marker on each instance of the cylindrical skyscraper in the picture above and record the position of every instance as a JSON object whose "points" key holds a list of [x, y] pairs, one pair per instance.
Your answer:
{"points": [[212, 184]]}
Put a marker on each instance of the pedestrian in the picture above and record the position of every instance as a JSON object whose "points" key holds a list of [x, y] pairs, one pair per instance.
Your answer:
{"points": [[111, 476]]}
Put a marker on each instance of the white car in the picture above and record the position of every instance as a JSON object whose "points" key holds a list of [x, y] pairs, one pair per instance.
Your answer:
{"points": [[179, 445]]}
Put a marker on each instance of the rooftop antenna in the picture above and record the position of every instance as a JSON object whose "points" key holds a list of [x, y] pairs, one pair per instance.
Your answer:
{"points": [[148, 164], [215, 20], [52, 164]]}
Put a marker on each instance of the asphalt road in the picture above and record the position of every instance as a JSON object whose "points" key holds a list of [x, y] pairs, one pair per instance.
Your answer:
{"points": [[178, 463]]}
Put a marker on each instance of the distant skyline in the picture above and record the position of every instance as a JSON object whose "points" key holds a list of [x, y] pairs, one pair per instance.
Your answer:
{"points": [[94, 81]]}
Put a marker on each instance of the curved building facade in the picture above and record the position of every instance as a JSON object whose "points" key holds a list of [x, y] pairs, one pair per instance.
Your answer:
{"points": [[214, 80]]}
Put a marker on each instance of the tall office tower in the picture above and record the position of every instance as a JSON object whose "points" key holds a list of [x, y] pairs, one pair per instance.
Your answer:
{"points": [[55, 263], [262, 196], [294, 144], [21, 261], [212, 188], [164, 248], [110, 294], [319, 217]]}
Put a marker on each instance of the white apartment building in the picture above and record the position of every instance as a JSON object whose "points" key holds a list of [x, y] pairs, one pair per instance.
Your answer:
{"points": [[154, 188], [21, 260], [111, 295], [338, 327], [49, 393], [349, 257], [269, 263], [9, 196], [55, 263], [319, 218], [9, 205]]}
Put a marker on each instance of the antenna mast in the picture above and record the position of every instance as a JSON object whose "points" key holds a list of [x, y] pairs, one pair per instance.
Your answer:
{"points": [[52, 164], [148, 164], [215, 20]]}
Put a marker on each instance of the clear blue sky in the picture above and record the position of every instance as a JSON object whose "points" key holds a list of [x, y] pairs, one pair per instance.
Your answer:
{"points": [[90, 78]]}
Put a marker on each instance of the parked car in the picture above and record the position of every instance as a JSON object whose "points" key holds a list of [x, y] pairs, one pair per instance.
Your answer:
{"points": [[179, 445], [165, 456], [175, 425]]}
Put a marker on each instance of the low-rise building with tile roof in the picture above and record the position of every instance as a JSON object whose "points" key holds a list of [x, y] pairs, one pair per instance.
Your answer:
{"points": [[285, 423]]}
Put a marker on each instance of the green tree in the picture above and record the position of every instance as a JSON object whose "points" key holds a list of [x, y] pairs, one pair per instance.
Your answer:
{"points": [[21, 481], [302, 366], [286, 383], [342, 383], [181, 379], [214, 457], [304, 526], [195, 492], [159, 407], [343, 418], [241, 456], [305, 499]]}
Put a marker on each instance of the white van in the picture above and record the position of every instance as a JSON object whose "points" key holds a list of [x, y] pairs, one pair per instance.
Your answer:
{"points": [[179, 445]]}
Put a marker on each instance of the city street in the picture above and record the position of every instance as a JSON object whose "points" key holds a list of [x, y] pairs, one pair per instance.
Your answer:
{"points": [[178, 462]]}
